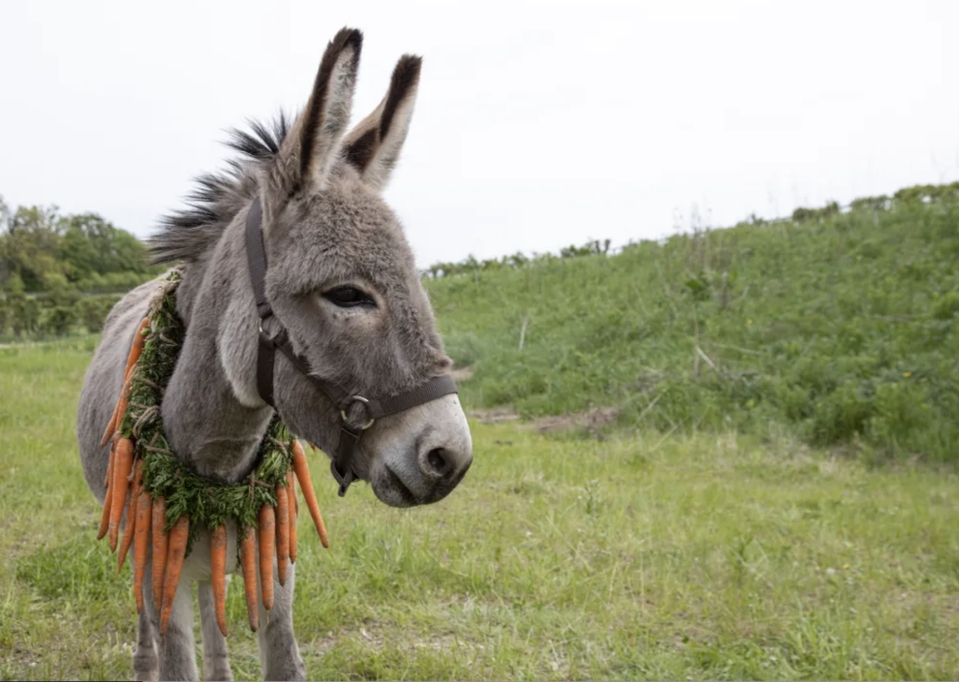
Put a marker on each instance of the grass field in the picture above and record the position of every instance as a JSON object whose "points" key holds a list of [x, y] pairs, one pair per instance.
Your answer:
{"points": [[637, 556]]}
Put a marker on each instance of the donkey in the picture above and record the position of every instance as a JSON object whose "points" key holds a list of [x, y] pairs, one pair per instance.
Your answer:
{"points": [[344, 291]]}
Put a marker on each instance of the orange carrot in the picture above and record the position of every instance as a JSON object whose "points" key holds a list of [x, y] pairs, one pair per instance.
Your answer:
{"points": [[266, 538], [139, 341], [112, 427], [124, 400], [160, 542], [121, 484], [107, 500], [248, 556], [113, 449], [117, 416], [176, 551], [129, 527], [135, 349], [306, 485], [218, 568], [291, 479], [282, 532], [144, 512], [294, 510]]}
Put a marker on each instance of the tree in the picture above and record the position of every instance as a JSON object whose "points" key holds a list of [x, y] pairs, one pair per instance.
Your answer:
{"points": [[43, 247], [61, 293], [93, 311], [4, 226], [24, 312], [93, 246], [60, 321], [31, 245]]}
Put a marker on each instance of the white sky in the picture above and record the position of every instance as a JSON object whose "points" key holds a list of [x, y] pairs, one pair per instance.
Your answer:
{"points": [[537, 125]]}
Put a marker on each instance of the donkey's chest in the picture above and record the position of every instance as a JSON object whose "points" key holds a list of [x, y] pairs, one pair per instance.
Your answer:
{"points": [[217, 437], [223, 459]]}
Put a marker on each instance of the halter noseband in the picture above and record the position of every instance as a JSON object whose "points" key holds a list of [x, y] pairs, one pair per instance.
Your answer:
{"points": [[341, 465]]}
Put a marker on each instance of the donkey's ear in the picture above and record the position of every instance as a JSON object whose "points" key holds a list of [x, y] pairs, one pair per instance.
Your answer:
{"points": [[373, 147], [312, 143]]}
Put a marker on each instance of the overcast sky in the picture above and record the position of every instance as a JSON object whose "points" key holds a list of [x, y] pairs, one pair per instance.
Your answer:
{"points": [[537, 125]]}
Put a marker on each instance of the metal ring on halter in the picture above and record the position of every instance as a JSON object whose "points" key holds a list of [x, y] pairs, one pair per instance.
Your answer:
{"points": [[358, 399]]}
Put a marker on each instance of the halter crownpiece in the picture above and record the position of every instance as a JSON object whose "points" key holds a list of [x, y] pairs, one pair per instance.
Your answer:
{"points": [[341, 465]]}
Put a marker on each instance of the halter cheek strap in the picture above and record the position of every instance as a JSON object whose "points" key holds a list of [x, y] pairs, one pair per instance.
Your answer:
{"points": [[341, 465]]}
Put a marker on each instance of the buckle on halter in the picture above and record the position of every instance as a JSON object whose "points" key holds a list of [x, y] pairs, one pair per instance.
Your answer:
{"points": [[343, 479], [357, 399]]}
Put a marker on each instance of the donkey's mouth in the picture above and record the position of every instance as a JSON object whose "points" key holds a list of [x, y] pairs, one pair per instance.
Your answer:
{"points": [[393, 491]]}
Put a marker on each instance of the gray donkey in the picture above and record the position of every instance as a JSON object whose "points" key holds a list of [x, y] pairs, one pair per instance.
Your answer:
{"points": [[343, 289]]}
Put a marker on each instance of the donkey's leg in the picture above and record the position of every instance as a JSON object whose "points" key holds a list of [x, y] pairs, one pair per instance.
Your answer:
{"points": [[177, 646], [279, 655], [146, 664], [216, 664]]}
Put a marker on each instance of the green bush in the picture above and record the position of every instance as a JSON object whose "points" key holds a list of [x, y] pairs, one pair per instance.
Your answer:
{"points": [[60, 294], [93, 312], [947, 306], [463, 349], [843, 413], [24, 314], [60, 321]]}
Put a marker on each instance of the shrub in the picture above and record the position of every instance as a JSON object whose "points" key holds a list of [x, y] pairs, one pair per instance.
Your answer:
{"points": [[463, 349], [947, 306], [59, 321], [24, 314], [92, 313]]}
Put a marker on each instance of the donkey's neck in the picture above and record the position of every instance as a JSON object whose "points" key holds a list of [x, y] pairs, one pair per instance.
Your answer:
{"points": [[213, 418]]}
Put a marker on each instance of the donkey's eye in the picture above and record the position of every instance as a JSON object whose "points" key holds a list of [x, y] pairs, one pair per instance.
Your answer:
{"points": [[348, 297]]}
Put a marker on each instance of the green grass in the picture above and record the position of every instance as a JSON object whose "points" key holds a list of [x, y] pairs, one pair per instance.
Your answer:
{"points": [[699, 556], [844, 331]]}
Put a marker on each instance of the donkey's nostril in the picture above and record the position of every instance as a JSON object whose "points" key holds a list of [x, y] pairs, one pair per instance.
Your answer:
{"points": [[438, 460]]}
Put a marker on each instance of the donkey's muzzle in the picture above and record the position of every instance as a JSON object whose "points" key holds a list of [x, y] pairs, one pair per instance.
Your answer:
{"points": [[425, 472], [443, 468]]}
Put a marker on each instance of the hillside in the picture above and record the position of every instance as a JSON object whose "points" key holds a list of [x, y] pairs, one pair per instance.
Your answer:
{"points": [[842, 328]]}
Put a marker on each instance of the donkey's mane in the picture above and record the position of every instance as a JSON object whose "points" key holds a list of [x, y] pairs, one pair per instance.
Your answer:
{"points": [[186, 234]]}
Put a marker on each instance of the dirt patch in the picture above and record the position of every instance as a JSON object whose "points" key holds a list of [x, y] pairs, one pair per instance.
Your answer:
{"points": [[495, 416], [461, 373], [590, 420]]}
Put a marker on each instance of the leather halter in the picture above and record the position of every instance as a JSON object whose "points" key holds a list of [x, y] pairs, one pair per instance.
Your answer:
{"points": [[341, 465]]}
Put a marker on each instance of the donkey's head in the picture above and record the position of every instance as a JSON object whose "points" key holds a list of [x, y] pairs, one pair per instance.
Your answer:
{"points": [[342, 283]]}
